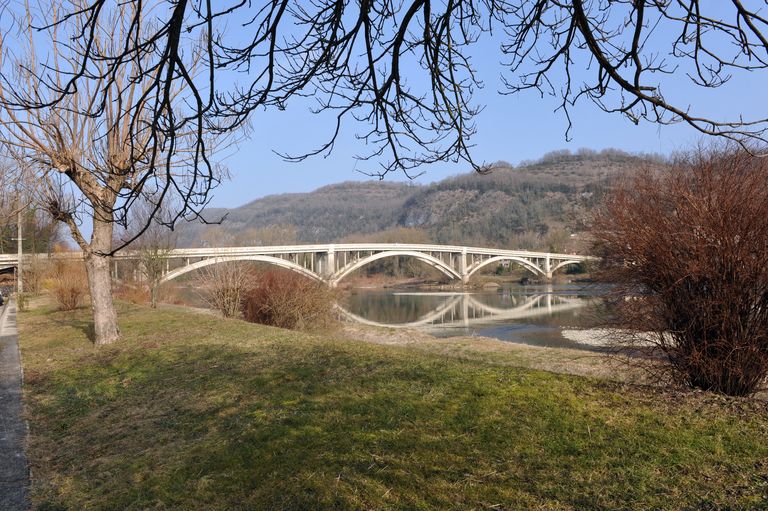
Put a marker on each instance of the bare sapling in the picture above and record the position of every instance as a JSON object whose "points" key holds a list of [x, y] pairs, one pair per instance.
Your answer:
{"points": [[224, 285]]}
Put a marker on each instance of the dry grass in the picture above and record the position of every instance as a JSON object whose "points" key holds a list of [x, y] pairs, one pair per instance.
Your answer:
{"points": [[130, 292], [496, 352]]}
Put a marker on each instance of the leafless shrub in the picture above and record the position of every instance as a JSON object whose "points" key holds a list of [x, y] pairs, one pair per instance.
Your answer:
{"points": [[223, 286], [35, 274], [687, 250], [153, 245], [69, 283], [287, 300], [22, 301]]}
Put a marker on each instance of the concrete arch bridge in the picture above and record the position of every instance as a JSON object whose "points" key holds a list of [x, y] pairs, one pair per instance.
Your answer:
{"points": [[331, 263]]}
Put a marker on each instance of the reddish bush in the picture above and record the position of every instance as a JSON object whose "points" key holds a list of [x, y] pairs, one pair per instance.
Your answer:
{"points": [[287, 300], [69, 283], [687, 249]]}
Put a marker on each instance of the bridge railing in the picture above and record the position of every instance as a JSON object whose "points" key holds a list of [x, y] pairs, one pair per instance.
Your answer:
{"points": [[354, 247]]}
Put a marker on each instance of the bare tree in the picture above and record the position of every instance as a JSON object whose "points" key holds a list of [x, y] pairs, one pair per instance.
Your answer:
{"points": [[685, 249], [92, 153], [153, 245], [405, 69], [8, 206]]}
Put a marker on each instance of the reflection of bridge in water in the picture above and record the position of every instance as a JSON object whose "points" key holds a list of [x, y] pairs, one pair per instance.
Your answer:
{"points": [[463, 310]]}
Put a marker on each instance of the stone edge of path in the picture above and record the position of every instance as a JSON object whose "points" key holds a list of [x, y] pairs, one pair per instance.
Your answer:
{"points": [[15, 497], [4, 312]]}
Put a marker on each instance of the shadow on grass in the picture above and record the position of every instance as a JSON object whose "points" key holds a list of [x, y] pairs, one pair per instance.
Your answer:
{"points": [[196, 412], [323, 425], [74, 319]]}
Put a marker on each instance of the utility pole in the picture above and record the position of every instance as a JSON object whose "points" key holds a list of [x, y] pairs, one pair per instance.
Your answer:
{"points": [[19, 253]]}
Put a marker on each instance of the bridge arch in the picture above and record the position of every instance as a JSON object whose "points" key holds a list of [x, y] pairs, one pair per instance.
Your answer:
{"points": [[497, 259], [565, 263], [430, 260], [253, 258]]}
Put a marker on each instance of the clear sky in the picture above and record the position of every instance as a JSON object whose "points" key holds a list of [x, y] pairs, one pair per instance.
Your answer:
{"points": [[511, 128]]}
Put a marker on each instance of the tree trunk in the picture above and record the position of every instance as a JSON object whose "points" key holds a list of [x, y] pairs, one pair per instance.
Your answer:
{"points": [[153, 294], [97, 264]]}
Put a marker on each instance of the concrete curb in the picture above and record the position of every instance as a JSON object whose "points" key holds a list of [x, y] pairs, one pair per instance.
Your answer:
{"points": [[3, 313], [14, 469]]}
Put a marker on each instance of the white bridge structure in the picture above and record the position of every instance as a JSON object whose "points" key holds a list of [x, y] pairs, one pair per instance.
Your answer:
{"points": [[331, 263]]}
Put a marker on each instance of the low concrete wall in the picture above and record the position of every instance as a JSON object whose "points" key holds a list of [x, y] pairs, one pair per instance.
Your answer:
{"points": [[4, 311]]}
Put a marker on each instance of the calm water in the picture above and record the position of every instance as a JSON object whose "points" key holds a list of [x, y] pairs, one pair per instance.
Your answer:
{"points": [[524, 314]]}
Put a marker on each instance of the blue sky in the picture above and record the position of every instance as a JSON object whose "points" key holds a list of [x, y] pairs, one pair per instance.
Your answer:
{"points": [[511, 128]]}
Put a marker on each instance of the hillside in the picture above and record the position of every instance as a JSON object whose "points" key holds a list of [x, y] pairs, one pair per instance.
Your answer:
{"points": [[534, 205], [323, 215]]}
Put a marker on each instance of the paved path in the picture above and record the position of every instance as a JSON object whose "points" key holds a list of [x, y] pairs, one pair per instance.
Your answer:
{"points": [[14, 471]]}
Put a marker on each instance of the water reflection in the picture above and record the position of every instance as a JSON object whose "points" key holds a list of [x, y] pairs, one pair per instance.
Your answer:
{"points": [[531, 315], [458, 310]]}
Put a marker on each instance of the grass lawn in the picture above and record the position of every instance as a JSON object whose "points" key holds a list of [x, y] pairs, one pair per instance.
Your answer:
{"points": [[191, 411]]}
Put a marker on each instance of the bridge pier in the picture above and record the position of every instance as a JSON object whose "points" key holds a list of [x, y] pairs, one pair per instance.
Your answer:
{"points": [[326, 266], [463, 267], [548, 268]]}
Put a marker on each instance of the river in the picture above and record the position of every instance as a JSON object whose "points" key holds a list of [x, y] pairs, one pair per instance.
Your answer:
{"points": [[535, 314], [532, 314]]}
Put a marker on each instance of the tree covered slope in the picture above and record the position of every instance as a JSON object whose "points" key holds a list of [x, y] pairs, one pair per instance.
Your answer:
{"points": [[534, 205]]}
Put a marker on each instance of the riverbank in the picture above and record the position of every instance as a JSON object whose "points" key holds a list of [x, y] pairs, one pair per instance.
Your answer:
{"points": [[191, 411], [494, 351]]}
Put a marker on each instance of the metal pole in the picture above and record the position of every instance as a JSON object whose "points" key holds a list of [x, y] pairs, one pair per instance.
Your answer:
{"points": [[20, 254]]}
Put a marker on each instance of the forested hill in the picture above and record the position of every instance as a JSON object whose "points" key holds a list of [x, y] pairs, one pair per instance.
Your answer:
{"points": [[534, 205]]}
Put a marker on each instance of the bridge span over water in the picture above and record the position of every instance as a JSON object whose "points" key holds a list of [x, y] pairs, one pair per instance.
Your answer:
{"points": [[331, 263]]}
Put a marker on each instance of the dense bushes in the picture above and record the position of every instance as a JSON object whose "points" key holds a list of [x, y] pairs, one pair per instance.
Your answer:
{"points": [[287, 300], [687, 248]]}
